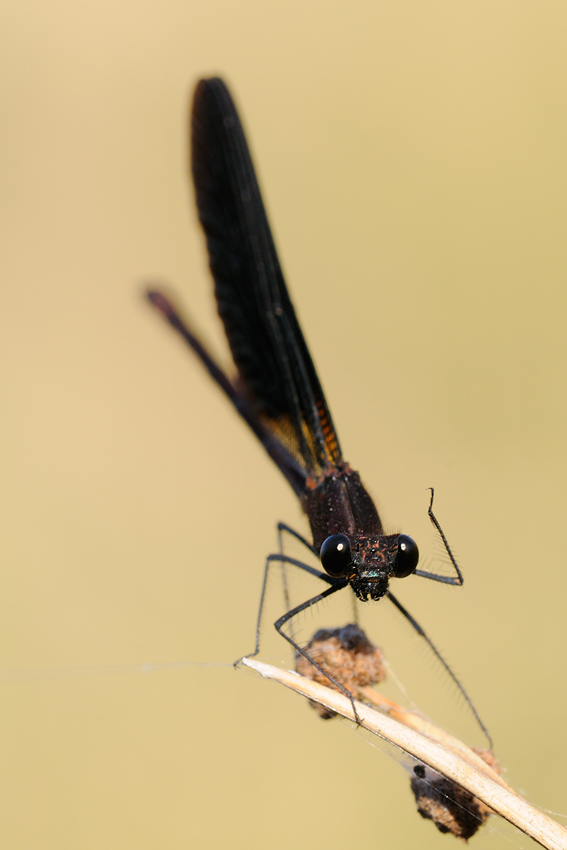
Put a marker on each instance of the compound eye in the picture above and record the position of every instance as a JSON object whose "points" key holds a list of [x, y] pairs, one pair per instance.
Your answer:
{"points": [[335, 555], [407, 557]]}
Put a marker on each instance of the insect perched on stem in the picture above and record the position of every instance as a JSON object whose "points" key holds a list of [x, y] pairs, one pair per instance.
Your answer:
{"points": [[276, 389]]}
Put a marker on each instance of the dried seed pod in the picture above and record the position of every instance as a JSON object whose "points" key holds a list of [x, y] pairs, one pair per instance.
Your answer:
{"points": [[347, 656], [450, 807]]}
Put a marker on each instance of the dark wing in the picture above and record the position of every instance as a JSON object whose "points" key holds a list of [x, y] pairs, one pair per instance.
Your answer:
{"points": [[276, 373]]}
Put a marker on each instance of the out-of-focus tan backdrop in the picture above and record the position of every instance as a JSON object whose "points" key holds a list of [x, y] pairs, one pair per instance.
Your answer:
{"points": [[413, 158]]}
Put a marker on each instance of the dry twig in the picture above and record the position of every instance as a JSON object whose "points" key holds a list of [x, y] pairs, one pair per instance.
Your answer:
{"points": [[431, 745]]}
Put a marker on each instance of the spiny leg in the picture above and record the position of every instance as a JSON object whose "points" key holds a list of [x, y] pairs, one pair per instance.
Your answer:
{"points": [[285, 559], [282, 527], [454, 580], [336, 584], [440, 658], [340, 584]]}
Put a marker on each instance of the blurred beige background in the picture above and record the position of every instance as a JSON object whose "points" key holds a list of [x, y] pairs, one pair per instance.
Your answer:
{"points": [[413, 158]]}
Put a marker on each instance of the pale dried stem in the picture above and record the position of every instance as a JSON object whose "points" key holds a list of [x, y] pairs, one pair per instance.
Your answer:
{"points": [[426, 727], [433, 746]]}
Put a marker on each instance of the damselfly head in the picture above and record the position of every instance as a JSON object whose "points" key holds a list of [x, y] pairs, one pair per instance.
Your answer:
{"points": [[377, 560]]}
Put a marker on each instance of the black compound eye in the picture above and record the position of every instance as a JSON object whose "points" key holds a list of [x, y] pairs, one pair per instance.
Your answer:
{"points": [[407, 557], [335, 555]]}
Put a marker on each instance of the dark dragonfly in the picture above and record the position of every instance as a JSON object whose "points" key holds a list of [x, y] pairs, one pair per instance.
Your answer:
{"points": [[276, 389]]}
